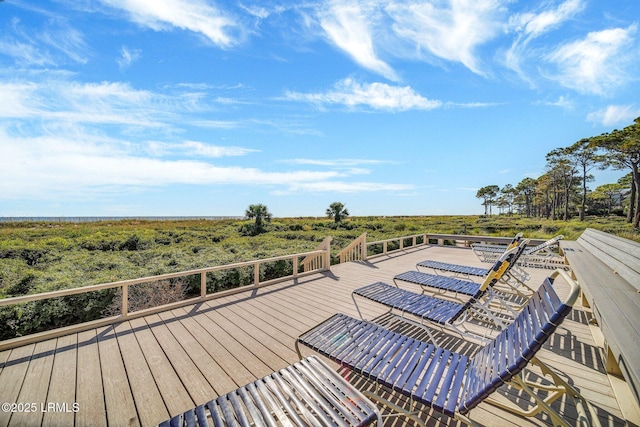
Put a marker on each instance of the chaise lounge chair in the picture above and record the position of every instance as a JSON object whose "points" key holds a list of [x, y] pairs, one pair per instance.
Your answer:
{"points": [[541, 256], [307, 393], [431, 282], [440, 312], [515, 282], [447, 381]]}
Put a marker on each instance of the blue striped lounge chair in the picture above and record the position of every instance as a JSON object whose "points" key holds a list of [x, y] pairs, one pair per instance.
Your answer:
{"points": [[306, 393], [515, 283], [495, 250], [443, 313], [540, 256], [444, 380]]}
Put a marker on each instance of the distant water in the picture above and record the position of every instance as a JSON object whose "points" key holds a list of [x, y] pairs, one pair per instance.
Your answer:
{"points": [[111, 218]]}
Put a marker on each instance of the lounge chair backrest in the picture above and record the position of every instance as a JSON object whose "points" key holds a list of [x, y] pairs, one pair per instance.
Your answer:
{"points": [[516, 240], [515, 346], [521, 249], [501, 266], [546, 244]]}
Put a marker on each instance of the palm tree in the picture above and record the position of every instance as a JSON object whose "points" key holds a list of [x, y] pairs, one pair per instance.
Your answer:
{"points": [[337, 211], [260, 213]]}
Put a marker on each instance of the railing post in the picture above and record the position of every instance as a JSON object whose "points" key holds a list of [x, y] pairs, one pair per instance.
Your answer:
{"points": [[125, 301], [363, 254], [295, 266], [256, 274], [203, 284], [327, 244]]}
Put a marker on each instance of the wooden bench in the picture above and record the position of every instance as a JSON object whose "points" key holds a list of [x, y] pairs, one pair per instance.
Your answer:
{"points": [[607, 268]]}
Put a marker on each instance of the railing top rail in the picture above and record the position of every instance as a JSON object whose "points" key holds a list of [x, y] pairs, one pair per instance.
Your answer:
{"points": [[395, 238], [354, 243], [467, 237], [102, 286]]}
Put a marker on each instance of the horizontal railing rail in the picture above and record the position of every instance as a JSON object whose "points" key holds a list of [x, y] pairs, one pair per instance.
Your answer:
{"points": [[314, 261], [361, 250], [356, 250], [401, 244]]}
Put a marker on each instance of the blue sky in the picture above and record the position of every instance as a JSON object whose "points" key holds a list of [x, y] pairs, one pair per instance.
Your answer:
{"points": [[203, 107]]}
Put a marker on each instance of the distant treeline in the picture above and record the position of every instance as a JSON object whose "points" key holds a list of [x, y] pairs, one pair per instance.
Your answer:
{"points": [[562, 191]]}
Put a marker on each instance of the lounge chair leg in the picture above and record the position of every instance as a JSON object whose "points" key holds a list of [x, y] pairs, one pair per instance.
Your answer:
{"points": [[399, 411], [468, 421], [555, 391], [574, 394]]}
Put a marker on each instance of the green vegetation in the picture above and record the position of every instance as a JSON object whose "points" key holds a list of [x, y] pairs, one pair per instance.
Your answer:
{"points": [[337, 211], [41, 257], [260, 213], [562, 192]]}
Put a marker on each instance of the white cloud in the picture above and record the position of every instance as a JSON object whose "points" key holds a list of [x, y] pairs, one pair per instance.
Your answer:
{"points": [[535, 24], [67, 40], [615, 115], [25, 53], [128, 56], [561, 102], [336, 162], [197, 16], [195, 148], [48, 46], [449, 104], [596, 64], [48, 166], [344, 187], [379, 96], [450, 30], [528, 26], [57, 100], [348, 166], [348, 25], [53, 166]]}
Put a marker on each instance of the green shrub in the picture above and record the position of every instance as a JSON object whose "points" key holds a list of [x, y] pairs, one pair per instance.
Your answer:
{"points": [[38, 316], [23, 287]]}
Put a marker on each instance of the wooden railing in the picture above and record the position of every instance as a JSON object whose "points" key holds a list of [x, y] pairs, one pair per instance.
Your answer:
{"points": [[317, 262], [356, 250], [313, 261], [361, 250], [394, 244]]}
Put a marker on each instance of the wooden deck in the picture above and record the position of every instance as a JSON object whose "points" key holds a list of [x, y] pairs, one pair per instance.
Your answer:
{"points": [[143, 371]]}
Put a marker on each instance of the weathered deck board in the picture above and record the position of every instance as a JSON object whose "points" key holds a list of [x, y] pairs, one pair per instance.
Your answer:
{"points": [[89, 393], [196, 384], [176, 398], [12, 377], [149, 403], [150, 368], [36, 383], [235, 374], [121, 409], [63, 375]]}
